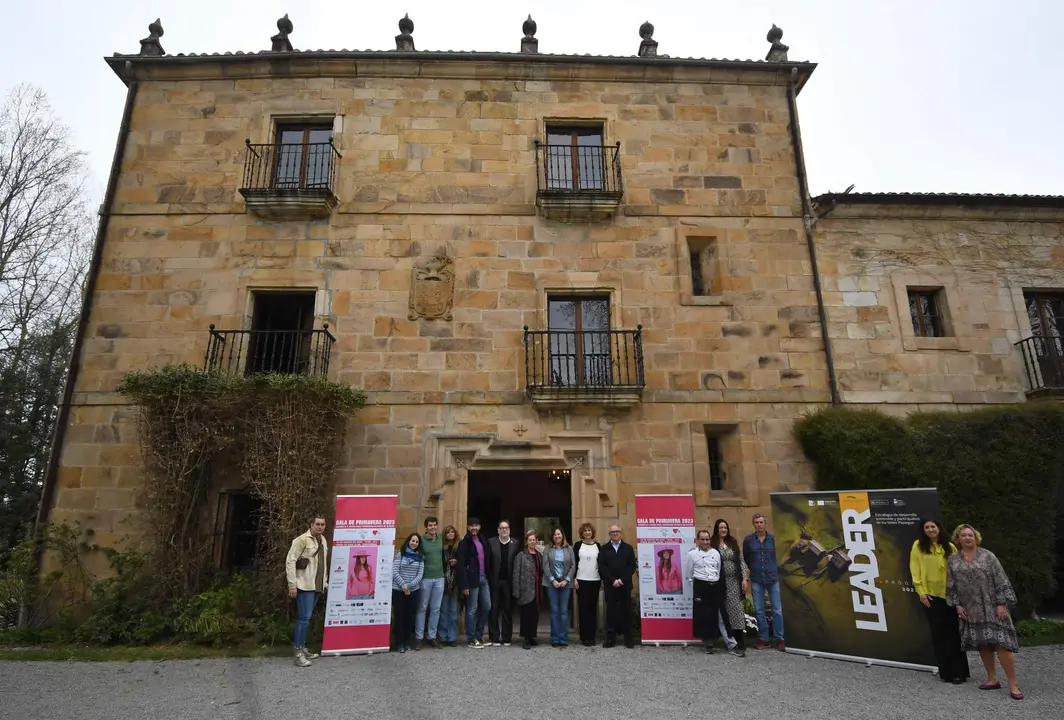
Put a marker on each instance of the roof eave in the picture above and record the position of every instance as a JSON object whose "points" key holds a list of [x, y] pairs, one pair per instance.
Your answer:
{"points": [[939, 200], [124, 66]]}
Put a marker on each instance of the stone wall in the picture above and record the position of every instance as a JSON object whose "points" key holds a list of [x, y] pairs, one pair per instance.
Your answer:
{"points": [[979, 261], [448, 166]]}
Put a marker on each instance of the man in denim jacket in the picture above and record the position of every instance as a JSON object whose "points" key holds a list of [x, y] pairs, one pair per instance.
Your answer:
{"points": [[759, 551]]}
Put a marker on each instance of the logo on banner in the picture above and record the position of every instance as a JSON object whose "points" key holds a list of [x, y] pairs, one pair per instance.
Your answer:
{"points": [[864, 568]]}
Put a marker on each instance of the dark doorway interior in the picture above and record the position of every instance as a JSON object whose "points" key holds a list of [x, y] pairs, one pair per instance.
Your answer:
{"points": [[280, 339], [520, 496], [525, 498]]}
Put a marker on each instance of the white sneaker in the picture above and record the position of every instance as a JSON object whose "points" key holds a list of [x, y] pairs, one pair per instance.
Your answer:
{"points": [[495, 644], [301, 660], [506, 644], [310, 655]]}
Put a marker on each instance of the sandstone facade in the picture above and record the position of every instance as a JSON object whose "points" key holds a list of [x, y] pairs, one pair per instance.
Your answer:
{"points": [[439, 158]]}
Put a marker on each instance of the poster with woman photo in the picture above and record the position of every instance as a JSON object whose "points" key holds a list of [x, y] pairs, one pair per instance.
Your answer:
{"points": [[667, 564], [361, 572]]}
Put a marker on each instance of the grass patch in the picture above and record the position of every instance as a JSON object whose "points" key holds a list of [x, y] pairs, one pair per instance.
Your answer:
{"points": [[126, 653], [1040, 632]]}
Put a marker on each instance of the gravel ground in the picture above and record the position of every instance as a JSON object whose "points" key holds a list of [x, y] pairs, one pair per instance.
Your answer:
{"points": [[466, 684]]}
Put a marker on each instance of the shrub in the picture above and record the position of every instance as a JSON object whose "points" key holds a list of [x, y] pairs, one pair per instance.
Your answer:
{"points": [[994, 468], [230, 614]]}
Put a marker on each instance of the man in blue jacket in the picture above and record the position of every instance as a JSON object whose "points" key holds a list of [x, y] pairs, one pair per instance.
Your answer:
{"points": [[759, 551], [473, 582]]}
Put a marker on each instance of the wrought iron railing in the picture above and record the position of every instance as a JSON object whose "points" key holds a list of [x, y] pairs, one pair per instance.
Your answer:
{"points": [[1043, 361], [596, 361], [289, 168], [568, 170], [279, 351]]}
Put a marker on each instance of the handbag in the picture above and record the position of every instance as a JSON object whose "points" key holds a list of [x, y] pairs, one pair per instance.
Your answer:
{"points": [[301, 563]]}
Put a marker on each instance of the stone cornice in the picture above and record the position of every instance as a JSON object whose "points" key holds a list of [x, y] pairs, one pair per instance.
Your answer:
{"points": [[457, 65]]}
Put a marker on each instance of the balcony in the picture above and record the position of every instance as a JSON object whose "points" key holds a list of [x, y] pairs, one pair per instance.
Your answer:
{"points": [[578, 182], [565, 368], [290, 180], [291, 352], [1043, 361]]}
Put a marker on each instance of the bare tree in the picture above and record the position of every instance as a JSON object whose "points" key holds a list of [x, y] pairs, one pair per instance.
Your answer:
{"points": [[45, 232]]}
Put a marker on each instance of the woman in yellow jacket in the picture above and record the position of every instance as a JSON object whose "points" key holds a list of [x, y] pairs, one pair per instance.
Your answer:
{"points": [[927, 563]]}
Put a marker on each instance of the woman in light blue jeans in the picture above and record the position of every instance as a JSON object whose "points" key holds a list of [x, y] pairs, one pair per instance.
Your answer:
{"points": [[558, 566], [448, 627]]}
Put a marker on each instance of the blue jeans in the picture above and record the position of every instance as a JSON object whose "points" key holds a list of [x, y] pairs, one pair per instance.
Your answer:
{"points": [[430, 599], [448, 629], [305, 602], [559, 614], [479, 599], [758, 591]]}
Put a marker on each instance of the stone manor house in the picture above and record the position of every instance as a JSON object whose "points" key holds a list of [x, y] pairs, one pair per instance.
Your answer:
{"points": [[562, 280]]}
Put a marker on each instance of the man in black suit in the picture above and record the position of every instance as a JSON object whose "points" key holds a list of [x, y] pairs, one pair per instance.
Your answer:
{"points": [[616, 568], [501, 553]]}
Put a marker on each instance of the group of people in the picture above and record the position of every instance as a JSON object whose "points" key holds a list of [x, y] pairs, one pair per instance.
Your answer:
{"points": [[966, 595], [496, 576], [962, 586]]}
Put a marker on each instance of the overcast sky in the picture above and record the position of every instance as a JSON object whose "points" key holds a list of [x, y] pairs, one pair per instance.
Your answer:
{"points": [[919, 96]]}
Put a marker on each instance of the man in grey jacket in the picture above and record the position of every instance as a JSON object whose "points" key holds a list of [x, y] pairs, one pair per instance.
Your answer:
{"points": [[501, 553]]}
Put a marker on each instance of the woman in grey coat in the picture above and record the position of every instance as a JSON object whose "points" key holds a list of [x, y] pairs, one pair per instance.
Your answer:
{"points": [[558, 566], [526, 583]]}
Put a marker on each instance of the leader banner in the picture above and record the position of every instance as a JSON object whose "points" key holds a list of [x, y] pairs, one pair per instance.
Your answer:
{"points": [[358, 610], [845, 584], [665, 531]]}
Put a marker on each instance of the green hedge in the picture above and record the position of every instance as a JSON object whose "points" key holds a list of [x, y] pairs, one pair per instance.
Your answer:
{"points": [[998, 469]]}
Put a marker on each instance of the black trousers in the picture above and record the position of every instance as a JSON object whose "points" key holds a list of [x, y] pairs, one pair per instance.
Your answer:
{"points": [[708, 603], [946, 639], [587, 601], [405, 612], [501, 619], [618, 611], [529, 620]]}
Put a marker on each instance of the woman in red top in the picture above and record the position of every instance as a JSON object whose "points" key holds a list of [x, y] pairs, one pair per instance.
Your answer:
{"points": [[526, 582]]}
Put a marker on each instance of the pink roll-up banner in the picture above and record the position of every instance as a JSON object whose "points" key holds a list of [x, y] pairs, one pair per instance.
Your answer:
{"points": [[358, 610], [665, 531]]}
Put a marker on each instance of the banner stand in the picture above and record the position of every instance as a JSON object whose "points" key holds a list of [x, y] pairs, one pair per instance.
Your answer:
{"points": [[845, 586], [665, 531], [867, 662], [358, 605]]}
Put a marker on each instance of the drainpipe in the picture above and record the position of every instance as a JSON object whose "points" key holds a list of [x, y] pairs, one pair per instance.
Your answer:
{"points": [[63, 418], [807, 222]]}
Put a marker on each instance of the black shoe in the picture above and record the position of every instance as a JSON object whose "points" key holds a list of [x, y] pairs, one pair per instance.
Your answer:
{"points": [[709, 649], [417, 644], [629, 643], [527, 644], [958, 681], [534, 642], [452, 643], [434, 644], [610, 642]]}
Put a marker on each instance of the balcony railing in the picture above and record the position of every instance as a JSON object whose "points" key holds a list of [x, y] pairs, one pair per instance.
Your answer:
{"points": [[290, 179], [292, 352], [566, 367], [1043, 362], [578, 180]]}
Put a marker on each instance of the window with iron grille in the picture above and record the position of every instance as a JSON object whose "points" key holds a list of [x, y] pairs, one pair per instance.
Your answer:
{"points": [[716, 460], [925, 307], [304, 156], [575, 158], [579, 340]]}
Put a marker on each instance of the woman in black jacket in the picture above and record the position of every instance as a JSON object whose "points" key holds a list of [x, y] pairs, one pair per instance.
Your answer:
{"points": [[588, 582]]}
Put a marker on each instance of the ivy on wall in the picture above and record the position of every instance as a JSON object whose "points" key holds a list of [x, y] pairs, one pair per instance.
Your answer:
{"points": [[278, 435]]}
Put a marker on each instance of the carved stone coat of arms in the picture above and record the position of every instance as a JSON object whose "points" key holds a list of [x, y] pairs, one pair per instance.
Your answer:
{"points": [[432, 289]]}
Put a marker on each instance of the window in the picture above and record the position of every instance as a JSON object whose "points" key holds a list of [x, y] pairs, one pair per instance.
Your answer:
{"points": [[926, 311], [304, 156], [281, 332], [1045, 311], [579, 340], [575, 158], [705, 266], [1045, 348], [716, 460], [238, 531]]}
